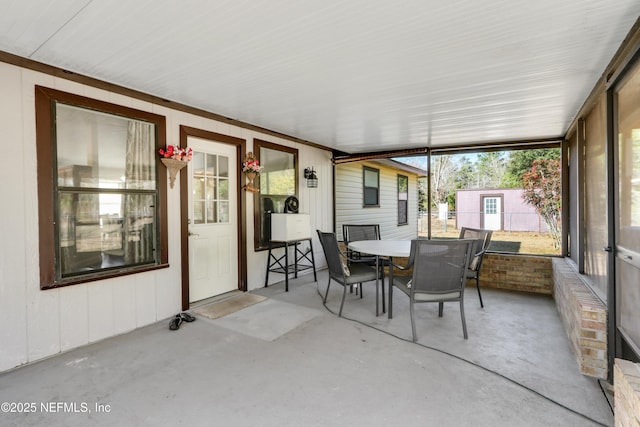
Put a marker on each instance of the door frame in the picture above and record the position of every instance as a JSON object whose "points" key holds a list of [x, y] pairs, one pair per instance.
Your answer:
{"points": [[241, 147], [501, 213]]}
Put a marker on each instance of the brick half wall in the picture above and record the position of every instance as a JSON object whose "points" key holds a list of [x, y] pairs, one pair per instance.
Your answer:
{"points": [[626, 388], [584, 317], [524, 273]]}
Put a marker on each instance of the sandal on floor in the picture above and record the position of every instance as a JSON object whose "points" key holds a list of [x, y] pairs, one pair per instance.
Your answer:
{"points": [[175, 322], [187, 317]]}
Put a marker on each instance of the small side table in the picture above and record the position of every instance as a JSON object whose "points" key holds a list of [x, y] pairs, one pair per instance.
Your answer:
{"points": [[276, 265]]}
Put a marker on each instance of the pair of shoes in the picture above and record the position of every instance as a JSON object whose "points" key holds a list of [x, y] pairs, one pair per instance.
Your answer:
{"points": [[175, 322], [187, 317]]}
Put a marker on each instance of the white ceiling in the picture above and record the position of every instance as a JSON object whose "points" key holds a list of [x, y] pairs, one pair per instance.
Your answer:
{"points": [[356, 75]]}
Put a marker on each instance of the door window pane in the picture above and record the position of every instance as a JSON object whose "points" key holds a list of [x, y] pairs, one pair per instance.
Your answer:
{"points": [[209, 188]]}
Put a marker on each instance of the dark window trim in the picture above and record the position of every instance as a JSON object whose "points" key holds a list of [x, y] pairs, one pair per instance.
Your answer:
{"points": [[257, 227], [406, 222], [364, 200], [45, 154]]}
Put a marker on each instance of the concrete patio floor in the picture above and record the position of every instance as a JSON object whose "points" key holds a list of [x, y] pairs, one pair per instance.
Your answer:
{"points": [[289, 361]]}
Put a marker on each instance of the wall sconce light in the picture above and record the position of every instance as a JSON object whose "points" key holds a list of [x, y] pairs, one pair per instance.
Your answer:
{"points": [[311, 177]]}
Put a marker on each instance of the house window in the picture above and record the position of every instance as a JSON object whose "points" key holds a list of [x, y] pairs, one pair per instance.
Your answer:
{"points": [[403, 200], [371, 186], [278, 183], [100, 190]]}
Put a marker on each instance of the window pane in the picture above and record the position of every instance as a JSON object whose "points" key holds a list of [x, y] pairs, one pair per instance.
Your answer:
{"points": [[370, 178], [278, 176], [198, 212], [197, 163], [402, 212], [403, 184], [211, 212], [198, 188], [223, 212], [223, 166], [100, 150], [211, 188], [91, 241], [224, 189], [211, 165], [370, 196]]}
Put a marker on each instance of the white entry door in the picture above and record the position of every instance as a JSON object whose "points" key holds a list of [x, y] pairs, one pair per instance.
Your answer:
{"points": [[213, 228], [492, 210]]}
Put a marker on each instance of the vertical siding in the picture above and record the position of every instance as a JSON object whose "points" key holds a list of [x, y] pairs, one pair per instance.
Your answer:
{"points": [[349, 201], [42, 323]]}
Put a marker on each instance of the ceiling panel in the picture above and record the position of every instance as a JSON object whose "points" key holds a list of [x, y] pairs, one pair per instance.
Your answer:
{"points": [[357, 75]]}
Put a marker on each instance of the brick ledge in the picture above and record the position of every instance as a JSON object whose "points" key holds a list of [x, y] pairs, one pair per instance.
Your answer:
{"points": [[584, 317]]}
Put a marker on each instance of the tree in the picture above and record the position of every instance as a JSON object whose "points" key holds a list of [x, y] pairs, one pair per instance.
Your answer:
{"points": [[442, 168], [491, 167], [521, 161], [543, 190]]}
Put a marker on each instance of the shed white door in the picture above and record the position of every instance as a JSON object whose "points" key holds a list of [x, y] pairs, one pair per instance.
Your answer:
{"points": [[213, 241], [492, 212]]}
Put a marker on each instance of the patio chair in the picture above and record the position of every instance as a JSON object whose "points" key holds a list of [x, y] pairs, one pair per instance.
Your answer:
{"points": [[339, 271], [438, 275], [484, 238], [357, 232]]}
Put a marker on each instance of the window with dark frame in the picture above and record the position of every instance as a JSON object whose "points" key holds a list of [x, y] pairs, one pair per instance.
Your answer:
{"points": [[370, 186], [278, 181], [101, 191], [403, 200]]}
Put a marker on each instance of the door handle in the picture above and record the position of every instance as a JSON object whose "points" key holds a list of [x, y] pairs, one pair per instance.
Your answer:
{"points": [[193, 234], [607, 249]]}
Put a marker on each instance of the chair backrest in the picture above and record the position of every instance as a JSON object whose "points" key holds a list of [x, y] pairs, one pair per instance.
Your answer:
{"points": [[439, 266], [331, 250], [483, 238], [356, 232]]}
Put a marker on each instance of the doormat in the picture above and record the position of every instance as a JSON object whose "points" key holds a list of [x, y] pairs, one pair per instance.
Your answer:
{"points": [[222, 308]]}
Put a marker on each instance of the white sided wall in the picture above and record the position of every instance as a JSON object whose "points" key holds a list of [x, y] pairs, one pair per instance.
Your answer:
{"points": [[349, 201], [36, 323]]}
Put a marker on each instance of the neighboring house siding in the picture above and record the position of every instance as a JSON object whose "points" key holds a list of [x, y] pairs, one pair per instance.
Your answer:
{"points": [[349, 201]]}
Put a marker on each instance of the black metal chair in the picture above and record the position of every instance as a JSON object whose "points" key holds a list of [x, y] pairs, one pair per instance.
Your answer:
{"points": [[484, 239], [339, 271], [438, 275], [357, 232]]}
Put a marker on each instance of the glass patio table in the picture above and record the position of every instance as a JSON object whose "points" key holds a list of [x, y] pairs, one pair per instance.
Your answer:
{"points": [[385, 249]]}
